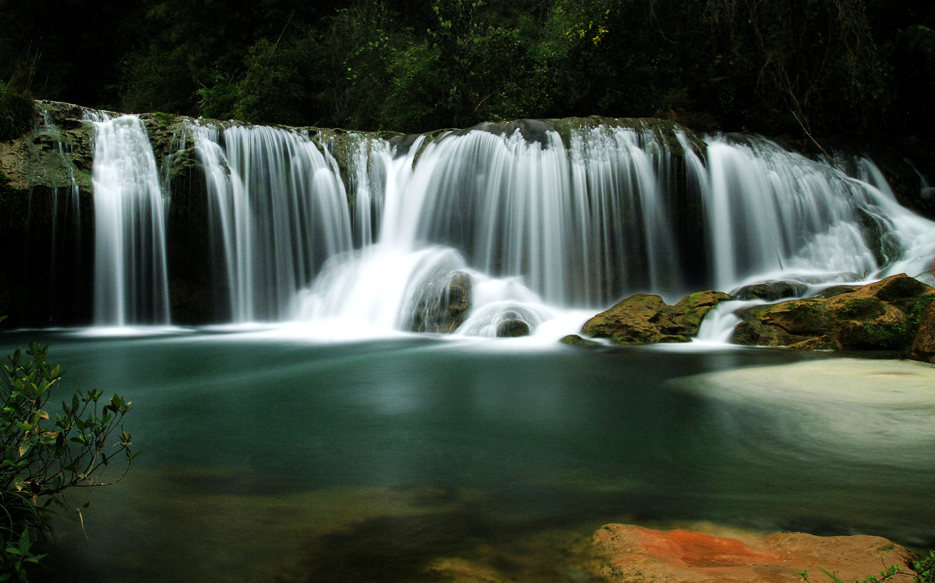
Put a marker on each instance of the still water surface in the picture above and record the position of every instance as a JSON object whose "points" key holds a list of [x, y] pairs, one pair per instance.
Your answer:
{"points": [[271, 458]]}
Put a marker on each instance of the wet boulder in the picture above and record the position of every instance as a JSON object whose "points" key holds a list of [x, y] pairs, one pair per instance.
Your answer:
{"points": [[442, 304], [512, 328], [884, 315], [647, 319]]}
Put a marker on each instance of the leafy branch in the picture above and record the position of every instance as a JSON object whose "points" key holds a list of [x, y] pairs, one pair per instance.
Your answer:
{"points": [[43, 456]]}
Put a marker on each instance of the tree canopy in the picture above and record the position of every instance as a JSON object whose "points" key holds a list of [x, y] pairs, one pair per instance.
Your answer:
{"points": [[772, 66]]}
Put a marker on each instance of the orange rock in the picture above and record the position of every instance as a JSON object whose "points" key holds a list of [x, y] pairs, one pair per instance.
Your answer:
{"points": [[635, 553]]}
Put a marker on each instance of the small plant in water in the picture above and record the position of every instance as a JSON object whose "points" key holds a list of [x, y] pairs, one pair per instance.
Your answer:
{"points": [[43, 455]]}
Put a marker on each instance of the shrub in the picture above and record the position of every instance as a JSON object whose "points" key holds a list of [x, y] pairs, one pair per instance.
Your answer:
{"points": [[42, 456]]}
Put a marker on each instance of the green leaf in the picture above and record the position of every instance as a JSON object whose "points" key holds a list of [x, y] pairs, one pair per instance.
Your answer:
{"points": [[24, 542]]}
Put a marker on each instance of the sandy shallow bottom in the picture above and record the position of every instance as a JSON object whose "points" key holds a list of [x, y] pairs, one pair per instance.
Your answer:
{"points": [[850, 404], [852, 380]]}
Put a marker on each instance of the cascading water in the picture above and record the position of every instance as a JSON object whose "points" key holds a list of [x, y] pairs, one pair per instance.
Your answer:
{"points": [[536, 222], [586, 223], [64, 205], [130, 276], [529, 221], [278, 209], [771, 211]]}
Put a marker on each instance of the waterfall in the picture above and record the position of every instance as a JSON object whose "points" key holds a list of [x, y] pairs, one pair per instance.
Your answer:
{"points": [[57, 214], [130, 279], [66, 203], [278, 209], [543, 224], [528, 220], [538, 214], [771, 211]]}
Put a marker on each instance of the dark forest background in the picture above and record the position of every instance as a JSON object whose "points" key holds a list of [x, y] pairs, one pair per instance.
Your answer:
{"points": [[796, 67]]}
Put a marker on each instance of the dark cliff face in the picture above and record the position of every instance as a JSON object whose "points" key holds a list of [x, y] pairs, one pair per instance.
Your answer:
{"points": [[46, 237]]}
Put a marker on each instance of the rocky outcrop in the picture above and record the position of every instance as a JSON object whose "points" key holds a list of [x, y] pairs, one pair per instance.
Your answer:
{"points": [[885, 315], [46, 245], [634, 553], [647, 319]]}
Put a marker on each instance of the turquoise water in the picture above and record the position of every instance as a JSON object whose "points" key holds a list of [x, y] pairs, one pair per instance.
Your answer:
{"points": [[272, 458]]}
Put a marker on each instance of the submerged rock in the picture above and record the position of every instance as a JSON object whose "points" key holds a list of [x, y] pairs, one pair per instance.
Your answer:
{"points": [[647, 319], [885, 315]]}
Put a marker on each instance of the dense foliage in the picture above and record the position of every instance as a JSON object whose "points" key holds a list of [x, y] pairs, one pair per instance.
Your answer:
{"points": [[774, 66], [43, 455]]}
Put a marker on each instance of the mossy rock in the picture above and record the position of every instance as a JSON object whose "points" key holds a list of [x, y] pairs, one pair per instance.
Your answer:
{"points": [[50, 157], [800, 317], [862, 308], [835, 290], [889, 333], [647, 319], [881, 316], [770, 291]]}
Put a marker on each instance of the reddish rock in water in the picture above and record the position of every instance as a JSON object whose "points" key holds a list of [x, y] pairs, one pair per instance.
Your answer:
{"points": [[634, 553]]}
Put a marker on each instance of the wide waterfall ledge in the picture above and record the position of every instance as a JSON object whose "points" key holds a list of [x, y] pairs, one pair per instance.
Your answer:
{"points": [[499, 230]]}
